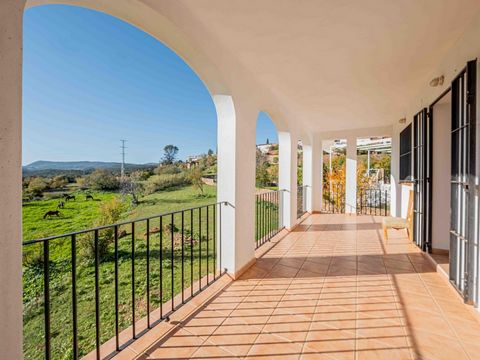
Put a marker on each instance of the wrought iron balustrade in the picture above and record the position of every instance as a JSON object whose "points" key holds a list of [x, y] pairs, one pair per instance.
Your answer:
{"points": [[268, 216], [118, 280]]}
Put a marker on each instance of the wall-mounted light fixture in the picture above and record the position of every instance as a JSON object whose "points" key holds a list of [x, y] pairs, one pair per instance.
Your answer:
{"points": [[402, 121], [438, 81]]}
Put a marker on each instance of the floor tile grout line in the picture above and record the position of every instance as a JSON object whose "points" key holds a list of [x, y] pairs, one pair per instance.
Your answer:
{"points": [[399, 310], [303, 246], [443, 314], [226, 317], [315, 307], [332, 256], [291, 280]]}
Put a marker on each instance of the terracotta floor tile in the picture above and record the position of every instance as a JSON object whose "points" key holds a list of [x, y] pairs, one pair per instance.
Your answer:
{"points": [[268, 345], [213, 352], [331, 289]]}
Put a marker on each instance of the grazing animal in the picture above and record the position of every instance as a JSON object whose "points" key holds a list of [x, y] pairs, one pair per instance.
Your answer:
{"points": [[89, 197], [61, 205], [70, 197], [51, 213]]}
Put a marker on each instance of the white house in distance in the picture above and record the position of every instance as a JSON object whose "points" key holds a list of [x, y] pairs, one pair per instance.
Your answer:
{"points": [[322, 70]]}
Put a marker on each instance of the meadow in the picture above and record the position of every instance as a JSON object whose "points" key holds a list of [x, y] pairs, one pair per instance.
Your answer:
{"points": [[81, 214], [164, 263]]}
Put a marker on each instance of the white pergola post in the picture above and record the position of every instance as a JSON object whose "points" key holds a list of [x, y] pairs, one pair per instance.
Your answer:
{"points": [[236, 184], [395, 187], [312, 175], [307, 174], [287, 177], [11, 15], [351, 177]]}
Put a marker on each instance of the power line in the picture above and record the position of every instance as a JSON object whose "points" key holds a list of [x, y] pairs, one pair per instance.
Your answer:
{"points": [[123, 147]]}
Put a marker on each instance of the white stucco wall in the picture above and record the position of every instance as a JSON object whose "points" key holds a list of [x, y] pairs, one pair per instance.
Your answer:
{"points": [[441, 175], [11, 14]]}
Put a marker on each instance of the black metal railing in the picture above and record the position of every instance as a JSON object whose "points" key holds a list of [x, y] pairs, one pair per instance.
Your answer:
{"points": [[301, 197], [373, 201], [268, 216], [333, 199], [97, 290]]}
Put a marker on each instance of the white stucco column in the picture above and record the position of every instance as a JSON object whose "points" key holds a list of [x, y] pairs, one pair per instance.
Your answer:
{"points": [[11, 15], [236, 183], [351, 177], [287, 177], [317, 176], [307, 173], [312, 175], [395, 187]]}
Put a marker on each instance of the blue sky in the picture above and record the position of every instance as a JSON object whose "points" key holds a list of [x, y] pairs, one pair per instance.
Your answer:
{"points": [[90, 79]]}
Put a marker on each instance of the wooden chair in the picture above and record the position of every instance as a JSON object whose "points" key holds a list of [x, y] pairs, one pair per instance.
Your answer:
{"points": [[399, 223]]}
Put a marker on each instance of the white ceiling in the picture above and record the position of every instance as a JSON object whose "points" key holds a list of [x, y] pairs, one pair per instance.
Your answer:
{"points": [[337, 64], [321, 65]]}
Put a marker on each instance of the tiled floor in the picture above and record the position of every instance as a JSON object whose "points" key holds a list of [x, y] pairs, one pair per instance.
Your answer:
{"points": [[332, 289], [442, 260]]}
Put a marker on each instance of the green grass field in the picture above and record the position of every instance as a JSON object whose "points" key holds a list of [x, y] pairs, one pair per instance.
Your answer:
{"points": [[81, 214]]}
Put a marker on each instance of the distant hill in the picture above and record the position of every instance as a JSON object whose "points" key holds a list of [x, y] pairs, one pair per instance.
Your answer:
{"points": [[43, 166]]}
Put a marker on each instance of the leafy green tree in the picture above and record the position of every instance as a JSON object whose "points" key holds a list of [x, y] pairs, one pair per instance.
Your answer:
{"points": [[37, 186], [102, 179], [169, 154], [59, 182], [262, 176], [195, 176], [110, 213]]}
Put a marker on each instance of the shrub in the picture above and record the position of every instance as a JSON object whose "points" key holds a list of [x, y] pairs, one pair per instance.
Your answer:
{"points": [[167, 170], [110, 212], [195, 177], [166, 182], [59, 182], [37, 186], [102, 179]]}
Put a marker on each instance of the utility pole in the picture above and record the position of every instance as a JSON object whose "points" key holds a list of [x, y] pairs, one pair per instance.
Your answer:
{"points": [[123, 147]]}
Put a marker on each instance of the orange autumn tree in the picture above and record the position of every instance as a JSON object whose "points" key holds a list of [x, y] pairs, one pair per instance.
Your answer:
{"points": [[337, 178]]}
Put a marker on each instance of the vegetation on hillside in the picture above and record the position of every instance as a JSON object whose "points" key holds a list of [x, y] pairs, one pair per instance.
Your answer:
{"points": [[99, 198]]}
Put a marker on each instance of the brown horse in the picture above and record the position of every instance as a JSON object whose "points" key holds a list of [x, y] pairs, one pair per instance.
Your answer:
{"points": [[51, 213], [89, 197]]}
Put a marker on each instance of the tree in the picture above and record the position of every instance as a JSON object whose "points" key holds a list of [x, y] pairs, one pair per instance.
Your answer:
{"points": [[262, 175], [210, 152], [110, 212], [132, 185], [102, 179], [59, 182], [195, 176], [169, 154], [37, 186]]}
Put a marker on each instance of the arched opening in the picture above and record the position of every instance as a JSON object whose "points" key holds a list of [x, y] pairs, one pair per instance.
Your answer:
{"points": [[266, 174], [91, 81], [334, 175], [268, 196]]}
